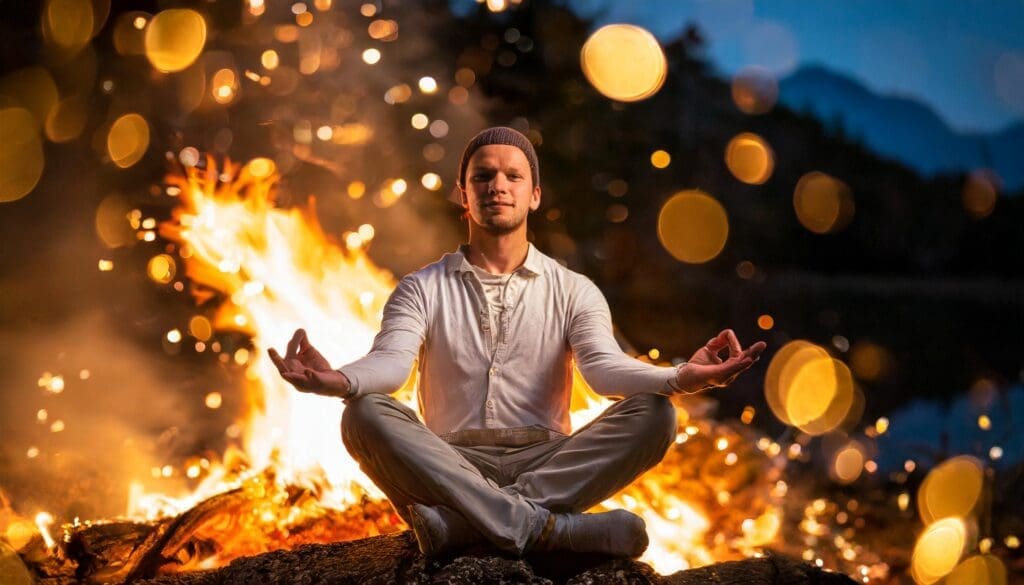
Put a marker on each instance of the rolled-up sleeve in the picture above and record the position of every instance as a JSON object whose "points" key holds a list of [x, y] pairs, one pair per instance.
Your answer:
{"points": [[386, 367], [603, 364]]}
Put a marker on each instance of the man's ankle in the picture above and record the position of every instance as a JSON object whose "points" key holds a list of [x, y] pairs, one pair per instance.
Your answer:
{"points": [[616, 533]]}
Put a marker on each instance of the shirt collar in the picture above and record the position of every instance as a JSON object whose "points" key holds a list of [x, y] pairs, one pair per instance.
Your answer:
{"points": [[458, 262]]}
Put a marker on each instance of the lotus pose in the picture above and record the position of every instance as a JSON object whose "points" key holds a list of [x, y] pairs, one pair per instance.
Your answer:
{"points": [[495, 327]]}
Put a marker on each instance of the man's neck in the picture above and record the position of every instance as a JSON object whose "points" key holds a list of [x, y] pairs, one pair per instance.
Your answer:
{"points": [[497, 254]]}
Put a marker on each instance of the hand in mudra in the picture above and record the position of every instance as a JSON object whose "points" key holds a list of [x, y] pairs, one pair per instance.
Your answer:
{"points": [[708, 368], [305, 368]]}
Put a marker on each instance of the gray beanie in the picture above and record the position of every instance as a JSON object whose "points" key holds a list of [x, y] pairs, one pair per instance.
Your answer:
{"points": [[500, 135]]}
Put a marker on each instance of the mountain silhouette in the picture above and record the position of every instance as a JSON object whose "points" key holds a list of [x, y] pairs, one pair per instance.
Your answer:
{"points": [[903, 128]]}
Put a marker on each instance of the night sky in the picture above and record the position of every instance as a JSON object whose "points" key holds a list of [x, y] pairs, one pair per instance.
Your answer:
{"points": [[965, 58]]}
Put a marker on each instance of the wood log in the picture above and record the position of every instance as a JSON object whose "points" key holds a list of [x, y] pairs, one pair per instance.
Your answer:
{"points": [[395, 559]]}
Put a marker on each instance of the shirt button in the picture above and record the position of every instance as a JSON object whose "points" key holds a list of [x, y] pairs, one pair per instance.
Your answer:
{"points": [[490, 404], [493, 371]]}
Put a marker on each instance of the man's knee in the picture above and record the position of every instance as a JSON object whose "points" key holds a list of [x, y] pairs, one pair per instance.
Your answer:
{"points": [[657, 421], [363, 416]]}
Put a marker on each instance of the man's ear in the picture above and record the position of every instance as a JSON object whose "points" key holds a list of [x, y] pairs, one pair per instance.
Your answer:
{"points": [[535, 198], [463, 198]]}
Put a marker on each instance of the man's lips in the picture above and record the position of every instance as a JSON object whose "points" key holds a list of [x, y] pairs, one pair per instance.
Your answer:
{"points": [[496, 204]]}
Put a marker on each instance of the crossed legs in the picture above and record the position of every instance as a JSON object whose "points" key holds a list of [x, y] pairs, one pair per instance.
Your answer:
{"points": [[414, 467]]}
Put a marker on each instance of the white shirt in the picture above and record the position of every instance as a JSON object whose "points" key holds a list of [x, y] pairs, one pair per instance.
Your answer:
{"points": [[523, 375]]}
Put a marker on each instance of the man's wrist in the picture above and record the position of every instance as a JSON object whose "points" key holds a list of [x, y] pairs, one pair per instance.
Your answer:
{"points": [[673, 382], [349, 392]]}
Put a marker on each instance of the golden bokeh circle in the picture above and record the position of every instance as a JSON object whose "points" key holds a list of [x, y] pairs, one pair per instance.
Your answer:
{"points": [[823, 203], [200, 328], [952, 488], [127, 140], [848, 463], [938, 550], [68, 23], [174, 39], [161, 268], [749, 158], [660, 159], [112, 225], [261, 167], [67, 119], [624, 62], [979, 570], [693, 227], [32, 88], [772, 378], [21, 154], [806, 388]]}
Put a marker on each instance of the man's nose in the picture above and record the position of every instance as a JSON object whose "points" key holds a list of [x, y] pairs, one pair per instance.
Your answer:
{"points": [[499, 184]]}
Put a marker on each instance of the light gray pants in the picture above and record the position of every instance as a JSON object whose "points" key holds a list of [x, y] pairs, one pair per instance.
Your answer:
{"points": [[507, 493]]}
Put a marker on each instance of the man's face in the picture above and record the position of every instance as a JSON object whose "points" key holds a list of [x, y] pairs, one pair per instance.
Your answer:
{"points": [[499, 190]]}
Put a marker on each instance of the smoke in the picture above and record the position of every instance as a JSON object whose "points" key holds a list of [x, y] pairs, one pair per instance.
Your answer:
{"points": [[118, 413]]}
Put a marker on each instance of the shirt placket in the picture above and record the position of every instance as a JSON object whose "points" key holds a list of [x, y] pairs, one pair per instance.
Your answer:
{"points": [[493, 371], [494, 379]]}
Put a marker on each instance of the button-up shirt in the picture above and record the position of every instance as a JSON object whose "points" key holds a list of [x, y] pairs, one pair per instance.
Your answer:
{"points": [[520, 377]]}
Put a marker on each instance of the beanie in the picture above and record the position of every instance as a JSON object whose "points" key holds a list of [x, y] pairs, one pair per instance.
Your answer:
{"points": [[500, 135]]}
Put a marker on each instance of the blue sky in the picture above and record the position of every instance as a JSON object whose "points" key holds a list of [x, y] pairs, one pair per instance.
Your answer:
{"points": [[963, 57]]}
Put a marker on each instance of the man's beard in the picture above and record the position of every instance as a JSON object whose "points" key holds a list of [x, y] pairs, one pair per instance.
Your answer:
{"points": [[501, 225]]}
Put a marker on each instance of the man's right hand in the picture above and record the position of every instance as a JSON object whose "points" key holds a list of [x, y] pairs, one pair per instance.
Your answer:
{"points": [[305, 368]]}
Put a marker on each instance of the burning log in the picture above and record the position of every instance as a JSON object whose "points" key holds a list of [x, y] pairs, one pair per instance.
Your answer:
{"points": [[394, 559]]}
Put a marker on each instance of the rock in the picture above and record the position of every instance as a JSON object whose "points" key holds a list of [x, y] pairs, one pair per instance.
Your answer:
{"points": [[395, 559]]}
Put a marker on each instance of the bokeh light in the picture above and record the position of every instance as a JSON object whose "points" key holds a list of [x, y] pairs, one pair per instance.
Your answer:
{"points": [[938, 550], [383, 30], [431, 181], [848, 463], [200, 328], [129, 34], [624, 62], [427, 84], [660, 159], [371, 56], [419, 121], [1008, 75], [754, 90], [398, 94], [112, 224], [749, 158], [869, 361], [174, 39], [127, 140], [806, 388], [224, 85], [32, 88], [213, 400], [261, 167], [693, 227], [981, 189], [952, 488], [823, 203], [67, 119], [161, 268], [21, 154], [984, 569], [69, 24], [356, 189]]}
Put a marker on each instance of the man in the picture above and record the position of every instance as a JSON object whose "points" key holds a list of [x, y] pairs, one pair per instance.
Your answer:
{"points": [[496, 327]]}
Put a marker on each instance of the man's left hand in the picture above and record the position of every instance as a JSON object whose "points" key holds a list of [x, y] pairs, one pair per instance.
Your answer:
{"points": [[708, 368]]}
